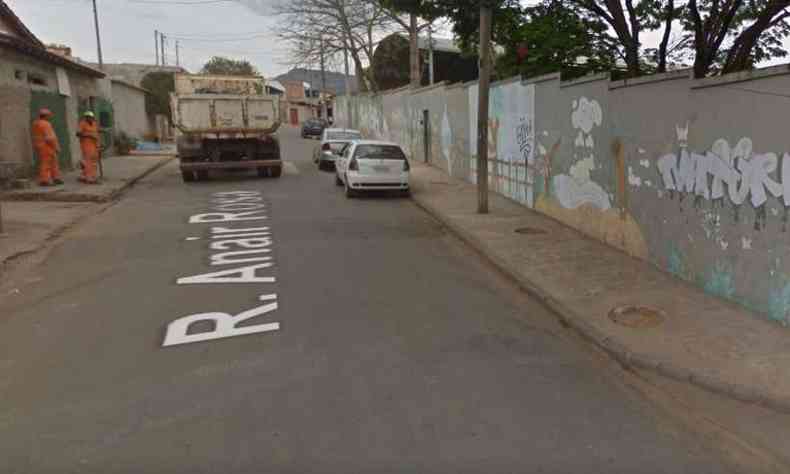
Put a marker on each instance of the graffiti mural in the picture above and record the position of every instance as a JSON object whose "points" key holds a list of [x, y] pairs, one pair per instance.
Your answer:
{"points": [[577, 188], [736, 174], [511, 139]]}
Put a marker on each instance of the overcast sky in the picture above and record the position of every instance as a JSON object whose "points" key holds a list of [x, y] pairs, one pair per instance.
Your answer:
{"points": [[127, 29], [234, 28]]}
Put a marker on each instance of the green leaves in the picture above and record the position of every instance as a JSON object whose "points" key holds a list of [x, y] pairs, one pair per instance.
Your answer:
{"points": [[227, 66]]}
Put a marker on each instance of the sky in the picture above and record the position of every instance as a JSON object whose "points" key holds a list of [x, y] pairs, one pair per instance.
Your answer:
{"points": [[242, 29], [127, 27]]}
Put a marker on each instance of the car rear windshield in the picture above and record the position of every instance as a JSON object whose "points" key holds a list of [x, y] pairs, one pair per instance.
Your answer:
{"points": [[379, 152], [342, 135]]}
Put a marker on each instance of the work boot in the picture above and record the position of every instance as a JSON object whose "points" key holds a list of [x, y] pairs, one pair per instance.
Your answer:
{"points": [[58, 181]]}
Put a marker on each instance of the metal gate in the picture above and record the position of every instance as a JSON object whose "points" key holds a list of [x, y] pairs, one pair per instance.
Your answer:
{"points": [[57, 104]]}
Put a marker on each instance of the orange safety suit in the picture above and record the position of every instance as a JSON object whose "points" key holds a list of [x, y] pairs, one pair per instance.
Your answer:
{"points": [[47, 147], [89, 144]]}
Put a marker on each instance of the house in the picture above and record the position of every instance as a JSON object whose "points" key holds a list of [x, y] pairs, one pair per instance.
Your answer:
{"points": [[391, 62], [301, 102], [134, 73], [32, 78], [335, 81]]}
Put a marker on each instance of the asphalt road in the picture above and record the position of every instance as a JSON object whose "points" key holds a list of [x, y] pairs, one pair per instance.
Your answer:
{"points": [[397, 351]]}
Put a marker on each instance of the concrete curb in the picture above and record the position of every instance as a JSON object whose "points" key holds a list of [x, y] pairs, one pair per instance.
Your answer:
{"points": [[615, 349], [105, 199], [85, 197]]}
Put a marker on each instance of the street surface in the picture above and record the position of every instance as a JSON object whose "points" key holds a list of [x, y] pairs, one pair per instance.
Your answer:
{"points": [[378, 344]]}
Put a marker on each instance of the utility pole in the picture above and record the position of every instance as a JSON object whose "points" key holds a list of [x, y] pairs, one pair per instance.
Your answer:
{"points": [[348, 91], [178, 59], [323, 82], [430, 53], [415, 71], [162, 45], [156, 45], [98, 38], [482, 109]]}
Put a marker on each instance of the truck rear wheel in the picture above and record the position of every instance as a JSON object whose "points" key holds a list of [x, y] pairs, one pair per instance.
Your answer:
{"points": [[275, 171], [202, 175], [263, 172], [188, 176]]}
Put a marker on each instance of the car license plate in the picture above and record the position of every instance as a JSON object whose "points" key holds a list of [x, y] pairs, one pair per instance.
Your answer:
{"points": [[381, 169]]}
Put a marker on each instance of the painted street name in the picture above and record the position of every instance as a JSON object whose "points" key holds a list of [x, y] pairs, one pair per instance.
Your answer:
{"points": [[241, 241]]}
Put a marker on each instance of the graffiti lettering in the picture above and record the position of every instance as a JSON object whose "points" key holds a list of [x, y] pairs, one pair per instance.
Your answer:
{"points": [[722, 171]]}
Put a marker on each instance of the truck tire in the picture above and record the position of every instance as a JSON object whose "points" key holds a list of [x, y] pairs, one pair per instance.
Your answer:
{"points": [[202, 175], [275, 171], [263, 172], [338, 182], [187, 176]]}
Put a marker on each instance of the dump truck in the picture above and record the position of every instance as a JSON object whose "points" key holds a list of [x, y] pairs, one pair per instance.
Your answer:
{"points": [[225, 123]]}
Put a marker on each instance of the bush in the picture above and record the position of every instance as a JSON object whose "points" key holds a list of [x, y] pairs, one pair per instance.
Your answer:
{"points": [[124, 143]]}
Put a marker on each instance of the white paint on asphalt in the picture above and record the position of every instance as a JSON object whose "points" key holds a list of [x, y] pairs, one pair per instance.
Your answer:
{"points": [[250, 245], [225, 325], [192, 239]]}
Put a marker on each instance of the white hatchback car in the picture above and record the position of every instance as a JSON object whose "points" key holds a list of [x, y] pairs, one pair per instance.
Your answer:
{"points": [[368, 165]]}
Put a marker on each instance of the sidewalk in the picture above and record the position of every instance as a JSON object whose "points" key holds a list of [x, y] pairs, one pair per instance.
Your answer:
{"points": [[120, 172], [35, 215], [697, 338]]}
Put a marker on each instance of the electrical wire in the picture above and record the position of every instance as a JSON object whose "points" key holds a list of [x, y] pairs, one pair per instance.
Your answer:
{"points": [[181, 2]]}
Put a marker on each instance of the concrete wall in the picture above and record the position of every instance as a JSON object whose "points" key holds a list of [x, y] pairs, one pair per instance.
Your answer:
{"points": [[129, 110], [691, 175], [15, 103]]}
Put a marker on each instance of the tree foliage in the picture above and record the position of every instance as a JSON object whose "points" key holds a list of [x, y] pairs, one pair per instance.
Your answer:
{"points": [[734, 35], [228, 66], [160, 85], [557, 38]]}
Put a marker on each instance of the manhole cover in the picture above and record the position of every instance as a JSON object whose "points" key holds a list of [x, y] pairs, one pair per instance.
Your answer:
{"points": [[637, 316], [530, 230]]}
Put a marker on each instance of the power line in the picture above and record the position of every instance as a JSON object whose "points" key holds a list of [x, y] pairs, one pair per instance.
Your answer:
{"points": [[218, 40], [181, 2]]}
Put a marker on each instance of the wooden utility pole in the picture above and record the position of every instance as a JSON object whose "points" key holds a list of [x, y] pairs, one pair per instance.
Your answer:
{"points": [[98, 37], [162, 46], [348, 92], [323, 83], [156, 45], [430, 53], [482, 108], [178, 59], [415, 73]]}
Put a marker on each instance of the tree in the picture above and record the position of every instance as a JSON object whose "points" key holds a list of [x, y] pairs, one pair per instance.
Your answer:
{"points": [[160, 85], [733, 35], [333, 27], [413, 9], [557, 38], [230, 67], [628, 20]]}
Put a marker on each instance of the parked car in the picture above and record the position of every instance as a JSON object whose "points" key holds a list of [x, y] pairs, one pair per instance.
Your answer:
{"points": [[368, 165], [313, 127], [332, 141]]}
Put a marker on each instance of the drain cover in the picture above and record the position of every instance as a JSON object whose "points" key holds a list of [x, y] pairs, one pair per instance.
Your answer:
{"points": [[637, 316], [530, 230]]}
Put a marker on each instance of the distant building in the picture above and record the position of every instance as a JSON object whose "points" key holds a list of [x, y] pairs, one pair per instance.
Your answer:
{"points": [[134, 73], [391, 62], [31, 78], [335, 81], [34, 76], [301, 102]]}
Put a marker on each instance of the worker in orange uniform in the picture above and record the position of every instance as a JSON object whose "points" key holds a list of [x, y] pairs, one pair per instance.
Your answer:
{"points": [[89, 144], [47, 147]]}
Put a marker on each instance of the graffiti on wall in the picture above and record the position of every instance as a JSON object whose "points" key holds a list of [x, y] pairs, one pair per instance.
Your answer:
{"points": [[576, 188], [735, 173], [511, 139]]}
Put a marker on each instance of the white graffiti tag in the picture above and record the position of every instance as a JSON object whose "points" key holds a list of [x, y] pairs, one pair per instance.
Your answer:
{"points": [[736, 173]]}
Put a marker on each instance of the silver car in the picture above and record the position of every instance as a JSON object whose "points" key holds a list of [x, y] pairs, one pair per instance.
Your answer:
{"points": [[332, 141]]}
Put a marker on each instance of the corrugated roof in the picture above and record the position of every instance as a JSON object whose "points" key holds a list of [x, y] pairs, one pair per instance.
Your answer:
{"points": [[39, 52], [6, 12]]}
